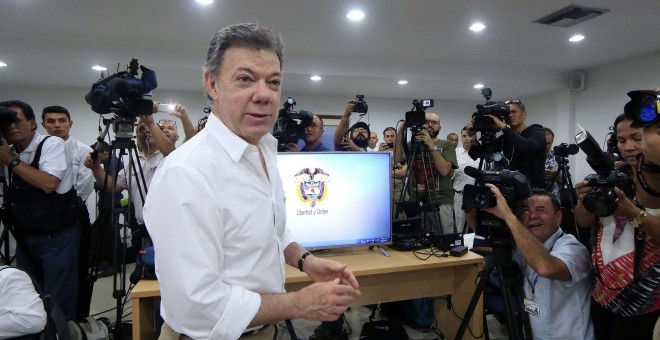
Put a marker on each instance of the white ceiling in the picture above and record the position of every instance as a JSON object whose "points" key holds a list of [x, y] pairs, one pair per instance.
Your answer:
{"points": [[426, 42]]}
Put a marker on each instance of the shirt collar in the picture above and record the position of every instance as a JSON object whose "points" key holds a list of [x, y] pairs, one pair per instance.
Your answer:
{"points": [[550, 242], [234, 145]]}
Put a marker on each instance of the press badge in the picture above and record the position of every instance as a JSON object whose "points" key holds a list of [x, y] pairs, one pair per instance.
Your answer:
{"points": [[532, 307]]}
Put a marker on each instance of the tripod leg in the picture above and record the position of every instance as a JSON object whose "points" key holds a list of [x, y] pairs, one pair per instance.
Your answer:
{"points": [[478, 292]]}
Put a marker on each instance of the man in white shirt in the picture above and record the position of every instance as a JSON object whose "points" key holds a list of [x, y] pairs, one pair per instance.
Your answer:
{"points": [[22, 311], [216, 210], [57, 122], [373, 142], [461, 179], [43, 209]]}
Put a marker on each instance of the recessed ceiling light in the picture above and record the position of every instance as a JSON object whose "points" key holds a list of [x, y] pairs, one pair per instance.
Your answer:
{"points": [[204, 2], [402, 82], [355, 15], [576, 38], [99, 68], [2, 64], [315, 78], [477, 27], [478, 86]]}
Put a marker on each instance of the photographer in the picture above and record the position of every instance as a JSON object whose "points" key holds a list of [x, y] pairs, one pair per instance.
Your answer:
{"points": [[625, 300], [522, 145], [312, 138], [432, 180], [42, 206], [557, 282], [359, 132]]}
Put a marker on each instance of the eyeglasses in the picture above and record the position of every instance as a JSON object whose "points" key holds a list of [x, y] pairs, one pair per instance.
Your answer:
{"points": [[432, 122]]}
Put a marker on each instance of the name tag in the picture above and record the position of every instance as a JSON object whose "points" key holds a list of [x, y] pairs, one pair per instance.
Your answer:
{"points": [[532, 307]]}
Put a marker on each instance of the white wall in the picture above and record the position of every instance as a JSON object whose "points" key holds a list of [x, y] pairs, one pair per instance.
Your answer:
{"points": [[594, 108]]}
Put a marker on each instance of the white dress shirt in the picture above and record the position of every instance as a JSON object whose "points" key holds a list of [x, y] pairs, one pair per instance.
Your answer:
{"points": [[464, 160], [21, 309], [218, 225], [55, 160], [84, 180], [149, 166]]}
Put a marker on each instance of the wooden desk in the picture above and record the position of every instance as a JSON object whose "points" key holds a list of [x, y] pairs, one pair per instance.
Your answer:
{"points": [[382, 279]]}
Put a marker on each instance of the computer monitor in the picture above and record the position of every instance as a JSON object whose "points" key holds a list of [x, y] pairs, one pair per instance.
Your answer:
{"points": [[337, 199]]}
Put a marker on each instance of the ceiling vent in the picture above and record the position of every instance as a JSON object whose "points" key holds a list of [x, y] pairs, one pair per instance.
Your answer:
{"points": [[571, 15]]}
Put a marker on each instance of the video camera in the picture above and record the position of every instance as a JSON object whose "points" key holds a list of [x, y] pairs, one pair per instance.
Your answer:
{"points": [[360, 105], [602, 200], [122, 93], [416, 117], [290, 124], [482, 122], [514, 187], [565, 150], [7, 117], [644, 106]]}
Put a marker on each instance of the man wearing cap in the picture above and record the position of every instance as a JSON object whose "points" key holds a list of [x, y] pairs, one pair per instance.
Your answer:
{"points": [[359, 132]]}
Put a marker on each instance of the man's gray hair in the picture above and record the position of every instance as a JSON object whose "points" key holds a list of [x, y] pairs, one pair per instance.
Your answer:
{"points": [[247, 35]]}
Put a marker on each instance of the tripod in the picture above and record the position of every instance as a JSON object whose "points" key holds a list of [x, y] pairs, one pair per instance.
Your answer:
{"points": [[124, 145], [511, 280], [422, 173], [567, 198]]}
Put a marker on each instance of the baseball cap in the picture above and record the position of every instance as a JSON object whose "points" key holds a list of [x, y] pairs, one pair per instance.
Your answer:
{"points": [[643, 108], [361, 125]]}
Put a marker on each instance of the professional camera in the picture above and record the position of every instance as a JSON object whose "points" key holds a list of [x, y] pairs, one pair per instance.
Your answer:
{"points": [[514, 187], [484, 123], [565, 150], [290, 124], [644, 106], [602, 200], [360, 105], [122, 93], [7, 116], [416, 118]]}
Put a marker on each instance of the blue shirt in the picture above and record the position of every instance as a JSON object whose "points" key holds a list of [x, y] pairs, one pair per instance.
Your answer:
{"points": [[318, 147], [564, 305]]}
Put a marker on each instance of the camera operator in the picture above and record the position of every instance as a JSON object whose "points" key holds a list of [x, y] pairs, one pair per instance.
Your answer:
{"points": [[438, 179], [42, 206], [154, 146], [522, 145], [625, 299], [359, 132], [557, 275], [169, 126], [551, 167], [312, 138]]}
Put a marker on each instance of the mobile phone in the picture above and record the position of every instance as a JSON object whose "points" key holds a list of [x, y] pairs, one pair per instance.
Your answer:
{"points": [[390, 145]]}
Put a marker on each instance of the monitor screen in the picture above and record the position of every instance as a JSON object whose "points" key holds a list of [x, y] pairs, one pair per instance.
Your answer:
{"points": [[337, 199]]}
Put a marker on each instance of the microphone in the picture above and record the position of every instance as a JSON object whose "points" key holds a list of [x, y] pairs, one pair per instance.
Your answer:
{"points": [[473, 172]]}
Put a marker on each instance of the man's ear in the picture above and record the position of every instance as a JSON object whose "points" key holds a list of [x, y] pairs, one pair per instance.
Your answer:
{"points": [[209, 83]]}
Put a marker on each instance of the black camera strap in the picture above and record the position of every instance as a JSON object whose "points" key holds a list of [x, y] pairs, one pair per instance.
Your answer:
{"points": [[642, 180]]}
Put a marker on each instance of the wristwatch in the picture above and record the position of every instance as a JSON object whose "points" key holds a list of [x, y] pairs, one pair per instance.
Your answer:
{"points": [[638, 220], [13, 163], [435, 148]]}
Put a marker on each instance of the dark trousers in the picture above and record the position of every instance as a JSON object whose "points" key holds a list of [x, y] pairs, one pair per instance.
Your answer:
{"points": [[610, 326], [53, 261]]}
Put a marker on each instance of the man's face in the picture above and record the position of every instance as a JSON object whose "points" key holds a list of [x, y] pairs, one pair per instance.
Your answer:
{"points": [[373, 140], [359, 134], [20, 131], [516, 115], [169, 129], [651, 143], [432, 124], [246, 93], [314, 132], [389, 136], [144, 138], [57, 124], [549, 139], [465, 139], [540, 217], [453, 138]]}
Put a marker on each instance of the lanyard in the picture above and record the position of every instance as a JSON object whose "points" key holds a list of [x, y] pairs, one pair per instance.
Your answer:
{"points": [[536, 278]]}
